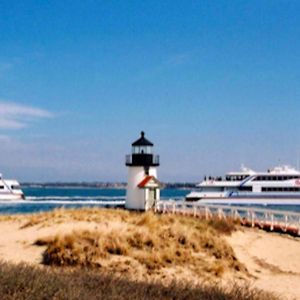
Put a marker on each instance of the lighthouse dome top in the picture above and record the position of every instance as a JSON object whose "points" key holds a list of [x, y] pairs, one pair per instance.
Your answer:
{"points": [[142, 141]]}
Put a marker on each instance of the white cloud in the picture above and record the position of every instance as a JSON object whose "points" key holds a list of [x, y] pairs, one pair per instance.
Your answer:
{"points": [[17, 116], [4, 138]]}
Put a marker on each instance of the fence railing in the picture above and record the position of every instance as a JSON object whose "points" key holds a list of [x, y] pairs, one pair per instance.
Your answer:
{"points": [[268, 219]]}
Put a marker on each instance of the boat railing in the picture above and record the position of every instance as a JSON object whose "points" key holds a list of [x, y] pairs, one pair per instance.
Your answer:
{"points": [[269, 219]]}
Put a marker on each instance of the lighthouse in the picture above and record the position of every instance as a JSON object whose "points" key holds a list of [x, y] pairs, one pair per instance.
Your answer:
{"points": [[143, 188]]}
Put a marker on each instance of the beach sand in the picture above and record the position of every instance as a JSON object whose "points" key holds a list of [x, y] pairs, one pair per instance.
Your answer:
{"points": [[272, 259]]}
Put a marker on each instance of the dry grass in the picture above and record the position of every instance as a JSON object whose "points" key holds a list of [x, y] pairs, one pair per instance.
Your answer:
{"points": [[21, 282], [61, 215], [143, 244]]}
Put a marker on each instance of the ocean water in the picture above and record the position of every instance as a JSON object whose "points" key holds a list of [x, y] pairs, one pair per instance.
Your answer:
{"points": [[45, 199]]}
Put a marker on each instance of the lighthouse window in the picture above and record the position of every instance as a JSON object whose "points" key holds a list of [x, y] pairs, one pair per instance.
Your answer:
{"points": [[141, 150]]}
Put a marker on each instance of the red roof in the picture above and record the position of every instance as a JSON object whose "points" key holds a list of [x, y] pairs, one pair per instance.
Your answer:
{"points": [[144, 182]]}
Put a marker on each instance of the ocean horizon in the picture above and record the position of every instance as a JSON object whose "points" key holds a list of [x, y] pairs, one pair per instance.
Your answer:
{"points": [[40, 199]]}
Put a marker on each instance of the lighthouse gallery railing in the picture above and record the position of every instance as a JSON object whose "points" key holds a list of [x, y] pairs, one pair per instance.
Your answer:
{"points": [[151, 159]]}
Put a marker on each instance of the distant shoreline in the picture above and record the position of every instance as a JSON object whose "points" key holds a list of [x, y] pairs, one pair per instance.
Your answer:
{"points": [[99, 185]]}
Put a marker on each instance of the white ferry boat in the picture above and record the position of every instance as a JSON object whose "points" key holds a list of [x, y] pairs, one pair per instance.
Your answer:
{"points": [[10, 190], [280, 185]]}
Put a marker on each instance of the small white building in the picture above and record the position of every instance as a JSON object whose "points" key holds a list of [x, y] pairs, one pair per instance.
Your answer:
{"points": [[143, 188]]}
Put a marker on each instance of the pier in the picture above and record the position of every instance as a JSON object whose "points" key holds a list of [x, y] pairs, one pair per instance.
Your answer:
{"points": [[267, 219]]}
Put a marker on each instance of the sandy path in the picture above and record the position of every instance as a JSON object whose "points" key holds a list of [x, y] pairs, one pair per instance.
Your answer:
{"points": [[272, 259]]}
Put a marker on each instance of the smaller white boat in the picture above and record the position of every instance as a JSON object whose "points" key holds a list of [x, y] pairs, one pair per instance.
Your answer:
{"points": [[10, 190]]}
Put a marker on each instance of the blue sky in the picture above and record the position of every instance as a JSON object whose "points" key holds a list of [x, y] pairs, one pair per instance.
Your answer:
{"points": [[214, 84]]}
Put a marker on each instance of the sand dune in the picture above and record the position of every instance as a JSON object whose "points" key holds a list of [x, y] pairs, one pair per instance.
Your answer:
{"points": [[272, 260]]}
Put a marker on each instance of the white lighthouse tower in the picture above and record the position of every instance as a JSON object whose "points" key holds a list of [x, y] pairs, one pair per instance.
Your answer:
{"points": [[143, 188]]}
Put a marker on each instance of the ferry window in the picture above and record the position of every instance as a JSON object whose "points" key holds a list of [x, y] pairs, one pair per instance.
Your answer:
{"points": [[15, 187], [1, 187], [245, 188]]}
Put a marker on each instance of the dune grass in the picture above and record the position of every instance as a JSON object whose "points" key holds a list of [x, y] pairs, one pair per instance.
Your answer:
{"points": [[22, 282], [143, 244]]}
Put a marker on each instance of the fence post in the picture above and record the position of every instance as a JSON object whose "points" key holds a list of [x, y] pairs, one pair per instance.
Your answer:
{"points": [[252, 219], [286, 222], [220, 213], [272, 222], [206, 213]]}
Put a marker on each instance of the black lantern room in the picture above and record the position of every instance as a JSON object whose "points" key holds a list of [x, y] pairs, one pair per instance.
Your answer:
{"points": [[142, 154]]}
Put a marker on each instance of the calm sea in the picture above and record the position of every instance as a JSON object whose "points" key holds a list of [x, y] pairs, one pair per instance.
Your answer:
{"points": [[45, 199]]}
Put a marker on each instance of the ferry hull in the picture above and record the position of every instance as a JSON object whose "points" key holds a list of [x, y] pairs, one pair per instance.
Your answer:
{"points": [[250, 200], [11, 197]]}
